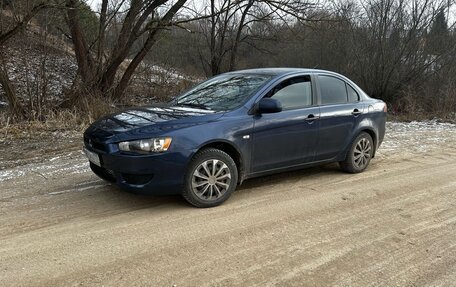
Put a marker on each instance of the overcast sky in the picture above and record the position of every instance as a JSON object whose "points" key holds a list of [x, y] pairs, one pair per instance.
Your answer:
{"points": [[93, 4]]}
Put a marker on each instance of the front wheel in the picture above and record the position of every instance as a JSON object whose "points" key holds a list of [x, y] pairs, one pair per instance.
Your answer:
{"points": [[211, 178], [359, 155]]}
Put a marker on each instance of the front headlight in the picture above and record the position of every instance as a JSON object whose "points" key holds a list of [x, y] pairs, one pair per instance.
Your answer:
{"points": [[147, 145]]}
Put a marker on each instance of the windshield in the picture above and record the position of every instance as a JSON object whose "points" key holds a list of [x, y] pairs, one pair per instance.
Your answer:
{"points": [[223, 92]]}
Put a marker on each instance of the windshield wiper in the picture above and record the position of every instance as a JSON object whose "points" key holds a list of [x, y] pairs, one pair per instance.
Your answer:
{"points": [[193, 105]]}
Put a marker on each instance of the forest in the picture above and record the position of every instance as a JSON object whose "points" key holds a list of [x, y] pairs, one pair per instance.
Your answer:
{"points": [[75, 60]]}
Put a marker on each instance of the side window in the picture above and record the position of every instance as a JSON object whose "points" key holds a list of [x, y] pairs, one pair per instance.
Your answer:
{"points": [[333, 90], [353, 96], [293, 93]]}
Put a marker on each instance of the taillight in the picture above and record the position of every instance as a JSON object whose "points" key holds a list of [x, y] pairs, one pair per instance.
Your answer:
{"points": [[385, 108]]}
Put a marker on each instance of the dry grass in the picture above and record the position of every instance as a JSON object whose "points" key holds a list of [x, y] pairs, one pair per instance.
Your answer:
{"points": [[61, 121], [76, 116], [428, 102]]}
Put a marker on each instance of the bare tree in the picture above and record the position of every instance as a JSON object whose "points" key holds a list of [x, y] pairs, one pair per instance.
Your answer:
{"points": [[229, 23], [22, 19], [396, 50], [390, 42], [142, 20]]}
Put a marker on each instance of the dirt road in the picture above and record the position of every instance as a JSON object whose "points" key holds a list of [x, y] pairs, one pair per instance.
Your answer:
{"points": [[393, 225]]}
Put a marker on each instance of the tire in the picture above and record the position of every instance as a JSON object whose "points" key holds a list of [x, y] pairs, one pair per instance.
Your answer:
{"points": [[211, 177], [359, 155]]}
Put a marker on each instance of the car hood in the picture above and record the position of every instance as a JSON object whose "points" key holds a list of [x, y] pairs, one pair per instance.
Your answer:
{"points": [[137, 122]]}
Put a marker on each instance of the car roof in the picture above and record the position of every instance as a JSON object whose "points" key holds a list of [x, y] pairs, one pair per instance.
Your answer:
{"points": [[280, 71]]}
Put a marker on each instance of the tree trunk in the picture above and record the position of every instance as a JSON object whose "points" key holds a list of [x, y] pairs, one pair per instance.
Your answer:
{"points": [[234, 50], [151, 39], [101, 36], [128, 35], [81, 50], [126, 77], [98, 73], [213, 61], [22, 24]]}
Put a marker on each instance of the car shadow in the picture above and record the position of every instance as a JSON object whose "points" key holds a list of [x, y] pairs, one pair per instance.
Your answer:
{"points": [[332, 168], [137, 201]]}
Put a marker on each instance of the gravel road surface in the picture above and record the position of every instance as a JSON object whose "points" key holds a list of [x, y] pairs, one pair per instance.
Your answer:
{"points": [[393, 225]]}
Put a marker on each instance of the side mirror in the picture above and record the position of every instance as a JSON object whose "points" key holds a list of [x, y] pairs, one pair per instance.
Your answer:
{"points": [[268, 106]]}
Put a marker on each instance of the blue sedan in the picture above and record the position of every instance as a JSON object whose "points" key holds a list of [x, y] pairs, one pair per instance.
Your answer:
{"points": [[236, 126]]}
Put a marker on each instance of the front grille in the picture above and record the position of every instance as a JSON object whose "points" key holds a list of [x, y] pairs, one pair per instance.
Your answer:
{"points": [[104, 173]]}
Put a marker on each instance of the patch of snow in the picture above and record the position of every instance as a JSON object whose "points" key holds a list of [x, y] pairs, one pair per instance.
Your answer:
{"points": [[400, 137], [77, 189], [417, 137], [9, 174], [68, 164]]}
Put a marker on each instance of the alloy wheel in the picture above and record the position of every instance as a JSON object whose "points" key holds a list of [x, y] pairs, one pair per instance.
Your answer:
{"points": [[211, 179], [362, 153]]}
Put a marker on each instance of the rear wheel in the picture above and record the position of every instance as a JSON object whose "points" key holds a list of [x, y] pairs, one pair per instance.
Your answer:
{"points": [[211, 178], [359, 155]]}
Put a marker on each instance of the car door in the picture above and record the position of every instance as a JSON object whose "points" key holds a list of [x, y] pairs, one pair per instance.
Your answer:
{"points": [[289, 137], [340, 111]]}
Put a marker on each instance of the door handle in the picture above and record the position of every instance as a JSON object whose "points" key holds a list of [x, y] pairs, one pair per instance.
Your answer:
{"points": [[356, 112], [311, 118]]}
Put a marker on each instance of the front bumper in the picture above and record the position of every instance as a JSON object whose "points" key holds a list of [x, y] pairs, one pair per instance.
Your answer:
{"points": [[161, 173]]}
